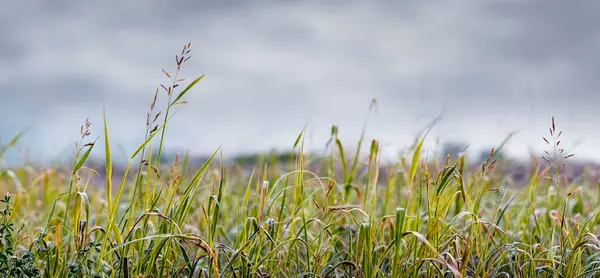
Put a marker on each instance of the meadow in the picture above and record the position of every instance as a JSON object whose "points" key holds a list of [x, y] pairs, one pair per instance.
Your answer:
{"points": [[339, 214]]}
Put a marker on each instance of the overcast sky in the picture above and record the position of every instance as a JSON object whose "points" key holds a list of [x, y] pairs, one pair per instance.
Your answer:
{"points": [[491, 67]]}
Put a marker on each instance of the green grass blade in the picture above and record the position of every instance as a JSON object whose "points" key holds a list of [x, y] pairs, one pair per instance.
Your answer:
{"points": [[190, 86]]}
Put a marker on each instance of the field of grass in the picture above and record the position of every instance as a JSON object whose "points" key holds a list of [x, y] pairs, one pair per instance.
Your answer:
{"points": [[337, 215]]}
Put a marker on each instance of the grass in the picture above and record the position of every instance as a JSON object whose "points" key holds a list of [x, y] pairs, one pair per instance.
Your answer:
{"points": [[335, 215]]}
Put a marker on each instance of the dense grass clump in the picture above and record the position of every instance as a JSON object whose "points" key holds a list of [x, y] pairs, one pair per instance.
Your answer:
{"points": [[294, 215]]}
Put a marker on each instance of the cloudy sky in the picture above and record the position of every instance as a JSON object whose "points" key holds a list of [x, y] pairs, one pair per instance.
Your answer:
{"points": [[491, 67]]}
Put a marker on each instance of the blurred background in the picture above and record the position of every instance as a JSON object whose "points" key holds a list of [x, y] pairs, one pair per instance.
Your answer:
{"points": [[272, 67]]}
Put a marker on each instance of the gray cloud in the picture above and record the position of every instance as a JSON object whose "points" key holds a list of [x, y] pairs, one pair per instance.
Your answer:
{"points": [[271, 67]]}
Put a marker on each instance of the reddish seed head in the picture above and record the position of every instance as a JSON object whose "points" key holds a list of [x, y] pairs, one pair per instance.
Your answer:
{"points": [[569, 156], [553, 126], [546, 159], [154, 101], [546, 140], [166, 73]]}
